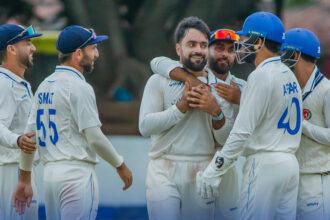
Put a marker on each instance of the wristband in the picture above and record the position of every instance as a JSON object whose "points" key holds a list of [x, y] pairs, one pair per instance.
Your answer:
{"points": [[219, 117]]}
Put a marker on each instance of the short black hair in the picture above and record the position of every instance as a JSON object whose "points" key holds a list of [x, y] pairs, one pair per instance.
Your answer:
{"points": [[62, 58], [308, 58], [273, 46], [190, 22]]}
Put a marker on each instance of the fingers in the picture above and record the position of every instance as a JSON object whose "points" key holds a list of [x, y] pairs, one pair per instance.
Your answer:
{"points": [[222, 86], [128, 182], [30, 135], [188, 86], [233, 83]]}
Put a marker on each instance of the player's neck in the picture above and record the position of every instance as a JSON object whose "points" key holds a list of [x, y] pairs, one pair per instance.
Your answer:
{"points": [[223, 77], [303, 71], [16, 68], [262, 55], [197, 73], [74, 65]]}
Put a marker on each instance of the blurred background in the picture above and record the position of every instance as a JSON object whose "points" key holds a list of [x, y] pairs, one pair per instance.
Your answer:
{"points": [[140, 30]]}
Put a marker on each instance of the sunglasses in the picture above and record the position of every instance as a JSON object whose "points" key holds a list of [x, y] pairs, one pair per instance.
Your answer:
{"points": [[29, 30], [92, 37], [225, 34]]}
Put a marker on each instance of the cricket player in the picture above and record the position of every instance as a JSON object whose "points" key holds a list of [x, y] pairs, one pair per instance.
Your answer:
{"points": [[16, 51], [267, 129], [65, 118], [220, 60], [301, 51], [181, 131]]}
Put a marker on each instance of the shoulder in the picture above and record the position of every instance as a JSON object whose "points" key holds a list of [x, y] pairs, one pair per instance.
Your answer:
{"points": [[6, 83], [240, 82]]}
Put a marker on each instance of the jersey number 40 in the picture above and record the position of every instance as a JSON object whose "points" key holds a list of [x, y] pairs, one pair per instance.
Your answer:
{"points": [[53, 135], [285, 124]]}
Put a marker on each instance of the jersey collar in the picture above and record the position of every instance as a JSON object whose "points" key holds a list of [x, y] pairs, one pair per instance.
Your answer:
{"points": [[269, 60], [64, 68], [310, 83], [12, 76]]}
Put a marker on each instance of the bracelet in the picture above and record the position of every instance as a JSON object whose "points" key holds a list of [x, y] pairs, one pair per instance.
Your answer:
{"points": [[219, 117]]}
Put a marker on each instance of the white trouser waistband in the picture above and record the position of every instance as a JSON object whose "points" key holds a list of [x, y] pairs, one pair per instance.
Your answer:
{"points": [[70, 162], [271, 157]]}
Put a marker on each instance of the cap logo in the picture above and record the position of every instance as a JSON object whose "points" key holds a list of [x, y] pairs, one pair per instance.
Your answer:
{"points": [[319, 50]]}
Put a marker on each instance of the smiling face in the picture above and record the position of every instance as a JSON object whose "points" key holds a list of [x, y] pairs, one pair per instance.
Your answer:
{"points": [[193, 50], [221, 56], [25, 50]]}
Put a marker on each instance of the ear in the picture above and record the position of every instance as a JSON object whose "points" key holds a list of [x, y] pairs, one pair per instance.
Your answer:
{"points": [[178, 49], [11, 49], [258, 45], [296, 55], [78, 54]]}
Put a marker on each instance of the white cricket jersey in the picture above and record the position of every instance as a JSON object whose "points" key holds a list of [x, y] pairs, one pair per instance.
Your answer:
{"points": [[269, 119], [172, 132], [164, 65], [64, 105], [15, 102], [314, 151]]}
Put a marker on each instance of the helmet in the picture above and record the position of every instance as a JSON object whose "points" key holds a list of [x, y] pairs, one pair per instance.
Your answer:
{"points": [[302, 40], [263, 24], [259, 24]]}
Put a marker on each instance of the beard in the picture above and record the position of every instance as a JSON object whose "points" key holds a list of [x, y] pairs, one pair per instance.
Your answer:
{"points": [[220, 68], [87, 64], [25, 60], [194, 66]]}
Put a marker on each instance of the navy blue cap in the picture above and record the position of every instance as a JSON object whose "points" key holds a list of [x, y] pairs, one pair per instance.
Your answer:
{"points": [[13, 33], [74, 37]]}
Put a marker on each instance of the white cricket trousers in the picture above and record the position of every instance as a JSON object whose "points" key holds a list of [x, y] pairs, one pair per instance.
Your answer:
{"points": [[313, 197], [172, 192], [269, 187], [226, 207], [9, 178], [71, 190]]}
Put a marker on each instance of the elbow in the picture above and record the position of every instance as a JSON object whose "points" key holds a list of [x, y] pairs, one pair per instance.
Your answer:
{"points": [[144, 131]]}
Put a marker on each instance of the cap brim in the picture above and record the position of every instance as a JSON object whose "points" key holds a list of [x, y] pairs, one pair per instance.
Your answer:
{"points": [[30, 36], [98, 39]]}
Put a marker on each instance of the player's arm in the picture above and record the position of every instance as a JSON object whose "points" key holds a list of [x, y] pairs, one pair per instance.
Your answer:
{"points": [[317, 133], [153, 119], [8, 138], [23, 194], [253, 106], [105, 149], [172, 69]]}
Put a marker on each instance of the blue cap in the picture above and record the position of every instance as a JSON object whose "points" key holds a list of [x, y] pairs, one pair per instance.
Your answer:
{"points": [[300, 39], [263, 24], [74, 37], [12, 33]]}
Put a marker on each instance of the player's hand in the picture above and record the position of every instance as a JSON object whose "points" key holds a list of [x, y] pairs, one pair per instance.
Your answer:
{"points": [[26, 143], [22, 197], [207, 187], [125, 175], [201, 97], [183, 105], [231, 93]]}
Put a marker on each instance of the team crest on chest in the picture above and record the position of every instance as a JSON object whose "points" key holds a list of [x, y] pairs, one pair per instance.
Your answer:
{"points": [[307, 114]]}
